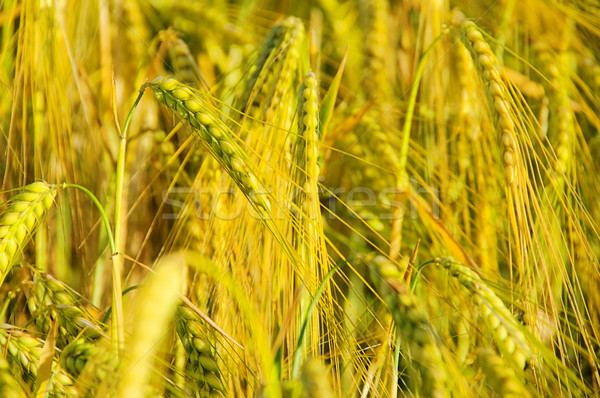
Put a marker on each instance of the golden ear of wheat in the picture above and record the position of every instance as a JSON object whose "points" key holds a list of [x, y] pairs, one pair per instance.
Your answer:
{"points": [[218, 138], [20, 219], [412, 324], [25, 350], [496, 93], [201, 363], [506, 330]]}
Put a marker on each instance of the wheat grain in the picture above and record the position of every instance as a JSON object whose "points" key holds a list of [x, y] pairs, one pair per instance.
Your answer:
{"points": [[19, 220]]}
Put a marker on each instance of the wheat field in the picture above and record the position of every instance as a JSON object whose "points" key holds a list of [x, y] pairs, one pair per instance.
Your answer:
{"points": [[322, 198]]}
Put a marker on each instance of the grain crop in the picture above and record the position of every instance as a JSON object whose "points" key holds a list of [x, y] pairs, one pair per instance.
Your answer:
{"points": [[370, 199]]}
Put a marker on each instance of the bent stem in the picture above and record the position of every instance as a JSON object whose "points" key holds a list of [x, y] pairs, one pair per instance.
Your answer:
{"points": [[103, 216]]}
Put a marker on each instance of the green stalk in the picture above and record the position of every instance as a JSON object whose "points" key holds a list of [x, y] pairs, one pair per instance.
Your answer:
{"points": [[313, 304], [107, 229], [117, 260], [412, 100], [396, 361], [402, 182]]}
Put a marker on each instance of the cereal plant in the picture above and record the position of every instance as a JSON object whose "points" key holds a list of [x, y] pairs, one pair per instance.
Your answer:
{"points": [[299, 199]]}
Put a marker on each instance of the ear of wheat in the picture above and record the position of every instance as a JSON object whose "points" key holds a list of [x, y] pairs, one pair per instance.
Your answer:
{"points": [[201, 363], [19, 220], [496, 93], [25, 350], [218, 138], [417, 334], [501, 377], [508, 333], [49, 300]]}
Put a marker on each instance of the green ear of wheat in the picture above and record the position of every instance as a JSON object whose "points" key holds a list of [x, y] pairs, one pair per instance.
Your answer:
{"points": [[25, 350], [50, 299], [19, 220], [413, 327], [201, 361], [182, 100], [507, 332]]}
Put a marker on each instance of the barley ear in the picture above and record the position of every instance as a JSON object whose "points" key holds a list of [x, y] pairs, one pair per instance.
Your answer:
{"points": [[497, 94], [24, 350], [51, 299], [19, 220], [506, 330], [500, 377], [214, 133], [201, 363], [416, 332]]}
